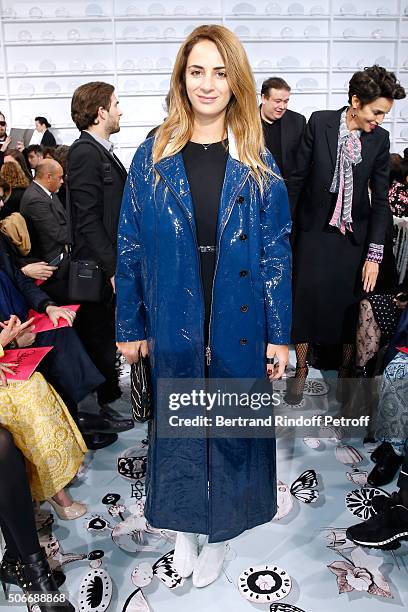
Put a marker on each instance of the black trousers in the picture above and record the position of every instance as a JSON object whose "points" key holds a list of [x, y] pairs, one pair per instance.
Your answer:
{"points": [[68, 366], [95, 325], [16, 508]]}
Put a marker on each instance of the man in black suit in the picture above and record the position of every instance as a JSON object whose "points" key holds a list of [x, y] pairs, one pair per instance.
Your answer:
{"points": [[283, 128], [96, 179], [45, 214]]}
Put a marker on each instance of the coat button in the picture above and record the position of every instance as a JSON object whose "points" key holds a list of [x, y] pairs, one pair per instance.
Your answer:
{"points": [[243, 341], [243, 273], [244, 308], [243, 237], [240, 199]]}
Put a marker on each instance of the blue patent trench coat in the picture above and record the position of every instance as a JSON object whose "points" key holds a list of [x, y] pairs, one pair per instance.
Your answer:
{"points": [[219, 487]]}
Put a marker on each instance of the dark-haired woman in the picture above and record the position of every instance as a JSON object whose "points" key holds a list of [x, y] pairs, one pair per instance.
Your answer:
{"points": [[42, 126], [14, 155], [340, 230]]}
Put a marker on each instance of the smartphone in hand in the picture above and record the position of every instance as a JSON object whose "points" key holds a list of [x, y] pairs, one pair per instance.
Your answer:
{"points": [[57, 260]]}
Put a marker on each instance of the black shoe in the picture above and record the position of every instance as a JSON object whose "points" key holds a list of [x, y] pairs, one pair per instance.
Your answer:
{"points": [[384, 531], [35, 578], [107, 412], [94, 423], [384, 447], [96, 441], [385, 469], [9, 567], [381, 503]]}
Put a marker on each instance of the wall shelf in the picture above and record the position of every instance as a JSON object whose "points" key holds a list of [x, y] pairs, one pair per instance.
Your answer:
{"points": [[125, 42]]}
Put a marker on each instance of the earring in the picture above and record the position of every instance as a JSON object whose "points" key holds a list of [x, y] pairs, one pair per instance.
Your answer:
{"points": [[353, 114]]}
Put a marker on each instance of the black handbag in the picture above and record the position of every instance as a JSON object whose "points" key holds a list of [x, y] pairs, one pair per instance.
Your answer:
{"points": [[141, 390], [85, 281]]}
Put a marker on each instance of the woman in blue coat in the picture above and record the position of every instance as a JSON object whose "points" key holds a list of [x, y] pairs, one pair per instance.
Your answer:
{"points": [[204, 287]]}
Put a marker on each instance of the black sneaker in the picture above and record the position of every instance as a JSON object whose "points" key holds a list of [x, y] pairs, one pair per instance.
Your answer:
{"points": [[381, 503], [383, 531], [383, 448], [386, 467]]}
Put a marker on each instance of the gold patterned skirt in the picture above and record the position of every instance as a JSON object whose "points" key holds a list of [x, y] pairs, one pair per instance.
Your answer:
{"points": [[44, 431]]}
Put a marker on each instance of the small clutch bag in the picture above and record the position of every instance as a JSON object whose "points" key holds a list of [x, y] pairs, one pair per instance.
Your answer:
{"points": [[141, 390]]}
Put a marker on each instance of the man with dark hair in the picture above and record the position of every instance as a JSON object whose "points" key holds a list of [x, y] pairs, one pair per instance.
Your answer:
{"points": [[34, 154], [96, 179], [283, 128]]}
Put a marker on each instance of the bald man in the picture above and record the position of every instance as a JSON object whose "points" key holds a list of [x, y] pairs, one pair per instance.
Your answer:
{"points": [[44, 213]]}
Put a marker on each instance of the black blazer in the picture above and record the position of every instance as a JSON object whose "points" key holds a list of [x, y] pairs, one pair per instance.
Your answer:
{"points": [[312, 203], [48, 139], [96, 180], [292, 128], [46, 220]]}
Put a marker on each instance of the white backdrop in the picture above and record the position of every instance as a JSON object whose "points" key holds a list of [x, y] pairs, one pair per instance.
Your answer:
{"points": [[50, 47]]}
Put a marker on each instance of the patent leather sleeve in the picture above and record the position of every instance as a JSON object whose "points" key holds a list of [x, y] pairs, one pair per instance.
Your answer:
{"points": [[130, 319], [276, 261]]}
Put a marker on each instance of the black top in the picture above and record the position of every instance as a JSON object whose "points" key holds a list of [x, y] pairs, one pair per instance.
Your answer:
{"points": [[273, 142], [205, 169], [48, 139], [13, 203]]}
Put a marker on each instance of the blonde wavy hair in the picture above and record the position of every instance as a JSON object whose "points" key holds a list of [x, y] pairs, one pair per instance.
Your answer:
{"points": [[242, 114], [12, 174]]}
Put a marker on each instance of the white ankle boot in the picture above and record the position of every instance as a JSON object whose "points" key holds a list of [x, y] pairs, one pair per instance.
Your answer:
{"points": [[209, 563], [185, 553]]}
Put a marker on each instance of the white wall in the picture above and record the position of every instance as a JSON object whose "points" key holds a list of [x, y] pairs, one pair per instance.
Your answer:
{"points": [[50, 47]]}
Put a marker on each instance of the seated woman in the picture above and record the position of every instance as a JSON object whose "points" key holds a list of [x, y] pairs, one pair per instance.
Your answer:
{"points": [[43, 430], [24, 561], [16, 157], [17, 295], [12, 174]]}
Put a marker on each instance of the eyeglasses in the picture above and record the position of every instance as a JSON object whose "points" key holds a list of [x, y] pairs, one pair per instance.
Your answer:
{"points": [[3, 123]]}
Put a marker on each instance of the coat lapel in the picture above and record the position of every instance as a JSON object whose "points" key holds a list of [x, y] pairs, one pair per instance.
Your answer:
{"points": [[284, 134], [173, 172], [332, 134]]}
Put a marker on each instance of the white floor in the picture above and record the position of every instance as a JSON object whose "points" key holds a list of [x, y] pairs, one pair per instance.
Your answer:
{"points": [[296, 543]]}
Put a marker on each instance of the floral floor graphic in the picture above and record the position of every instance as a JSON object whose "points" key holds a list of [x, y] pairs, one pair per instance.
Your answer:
{"points": [[115, 561]]}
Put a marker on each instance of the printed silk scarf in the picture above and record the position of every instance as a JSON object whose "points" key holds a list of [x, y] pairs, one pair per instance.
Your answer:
{"points": [[348, 155]]}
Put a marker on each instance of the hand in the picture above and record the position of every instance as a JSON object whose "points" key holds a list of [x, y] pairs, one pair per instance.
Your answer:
{"points": [[5, 144], [369, 275], [39, 270], [280, 352], [11, 329], [20, 146], [55, 312], [131, 350], [6, 368], [112, 280], [26, 338]]}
